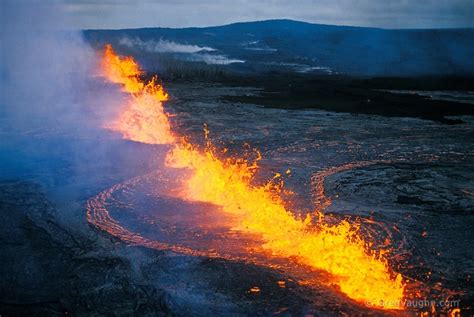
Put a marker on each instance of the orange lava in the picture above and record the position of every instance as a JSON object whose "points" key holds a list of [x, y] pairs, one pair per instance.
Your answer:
{"points": [[363, 275], [143, 119]]}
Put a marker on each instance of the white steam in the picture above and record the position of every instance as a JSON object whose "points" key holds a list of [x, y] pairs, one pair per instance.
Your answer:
{"points": [[211, 59], [190, 53], [53, 107], [46, 70], [163, 46]]}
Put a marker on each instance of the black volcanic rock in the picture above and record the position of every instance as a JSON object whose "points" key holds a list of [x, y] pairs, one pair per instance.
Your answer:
{"points": [[47, 271]]}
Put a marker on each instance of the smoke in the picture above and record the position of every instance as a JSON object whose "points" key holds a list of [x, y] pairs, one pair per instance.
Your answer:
{"points": [[190, 53], [213, 59], [53, 105], [163, 46], [46, 70]]}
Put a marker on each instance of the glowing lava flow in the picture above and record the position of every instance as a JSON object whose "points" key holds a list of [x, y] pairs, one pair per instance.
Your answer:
{"points": [[360, 273], [144, 119]]}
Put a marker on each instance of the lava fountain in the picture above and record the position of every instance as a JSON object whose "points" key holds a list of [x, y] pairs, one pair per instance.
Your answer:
{"points": [[143, 119], [361, 273]]}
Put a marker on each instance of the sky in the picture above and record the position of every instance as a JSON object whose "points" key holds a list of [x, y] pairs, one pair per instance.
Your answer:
{"points": [[185, 13], [117, 14]]}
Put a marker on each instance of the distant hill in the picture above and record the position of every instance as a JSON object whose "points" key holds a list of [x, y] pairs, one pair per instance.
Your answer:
{"points": [[286, 45]]}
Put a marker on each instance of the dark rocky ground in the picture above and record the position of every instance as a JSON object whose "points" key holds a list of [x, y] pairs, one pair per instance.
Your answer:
{"points": [[357, 95], [55, 263], [50, 270]]}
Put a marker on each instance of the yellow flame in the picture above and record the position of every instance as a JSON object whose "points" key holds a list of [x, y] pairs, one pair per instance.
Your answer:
{"points": [[361, 274]]}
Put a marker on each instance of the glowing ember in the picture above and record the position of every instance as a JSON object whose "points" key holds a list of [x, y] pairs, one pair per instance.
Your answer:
{"points": [[361, 274]]}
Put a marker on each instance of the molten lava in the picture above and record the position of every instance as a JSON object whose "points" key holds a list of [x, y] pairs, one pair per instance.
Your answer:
{"points": [[143, 119], [360, 273]]}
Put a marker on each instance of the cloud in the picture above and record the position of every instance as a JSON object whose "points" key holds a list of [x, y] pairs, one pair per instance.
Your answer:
{"points": [[163, 46]]}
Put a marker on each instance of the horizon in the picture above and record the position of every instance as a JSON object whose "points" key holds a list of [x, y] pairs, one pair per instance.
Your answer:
{"points": [[121, 14], [275, 20]]}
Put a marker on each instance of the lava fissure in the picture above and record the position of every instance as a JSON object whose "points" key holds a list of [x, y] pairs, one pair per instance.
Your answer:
{"points": [[362, 274]]}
